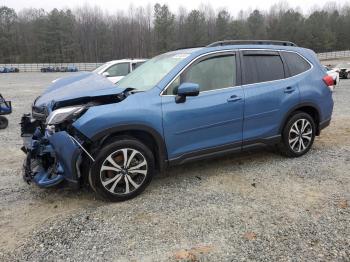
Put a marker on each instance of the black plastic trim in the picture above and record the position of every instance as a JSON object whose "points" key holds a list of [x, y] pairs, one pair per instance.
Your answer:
{"points": [[162, 152], [251, 42], [324, 124], [206, 153], [261, 142], [224, 150]]}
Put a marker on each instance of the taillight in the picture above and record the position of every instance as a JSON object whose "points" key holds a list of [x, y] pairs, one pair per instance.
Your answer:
{"points": [[328, 80]]}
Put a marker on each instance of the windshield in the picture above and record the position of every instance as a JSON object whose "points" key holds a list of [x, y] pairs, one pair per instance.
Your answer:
{"points": [[101, 67], [151, 72]]}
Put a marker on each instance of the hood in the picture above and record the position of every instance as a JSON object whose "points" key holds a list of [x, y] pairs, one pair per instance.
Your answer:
{"points": [[83, 85]]}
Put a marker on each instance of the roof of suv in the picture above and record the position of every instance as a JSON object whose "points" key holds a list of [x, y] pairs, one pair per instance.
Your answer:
{"points": [[192, 52]]}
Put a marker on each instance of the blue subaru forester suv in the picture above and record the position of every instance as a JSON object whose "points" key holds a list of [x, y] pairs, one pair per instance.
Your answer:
{"points": [[180, 106]]}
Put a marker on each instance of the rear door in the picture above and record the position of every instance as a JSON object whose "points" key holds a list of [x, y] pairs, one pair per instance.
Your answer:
{"points": [[269, 94]]}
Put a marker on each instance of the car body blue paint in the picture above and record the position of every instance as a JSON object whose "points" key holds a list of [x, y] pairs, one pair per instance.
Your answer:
{"points": [[212, 119], [266, 104], [142, 109], [67, 152], [82, 85], [208, 120]]}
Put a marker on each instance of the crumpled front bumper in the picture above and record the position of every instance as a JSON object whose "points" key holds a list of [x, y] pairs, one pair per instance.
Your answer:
{"points": [[51, 159]]}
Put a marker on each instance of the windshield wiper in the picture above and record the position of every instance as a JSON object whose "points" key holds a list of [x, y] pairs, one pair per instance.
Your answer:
{"points": [[130, 90]]}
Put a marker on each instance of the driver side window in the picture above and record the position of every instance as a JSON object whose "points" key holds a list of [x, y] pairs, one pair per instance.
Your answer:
{"points": [[210, 74]]}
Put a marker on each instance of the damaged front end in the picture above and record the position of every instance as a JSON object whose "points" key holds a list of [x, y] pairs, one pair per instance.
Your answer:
{"points": [[55, 150], [52, 155]]}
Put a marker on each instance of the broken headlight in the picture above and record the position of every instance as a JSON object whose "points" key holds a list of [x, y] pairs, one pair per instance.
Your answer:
{"points": [[64, 114]]}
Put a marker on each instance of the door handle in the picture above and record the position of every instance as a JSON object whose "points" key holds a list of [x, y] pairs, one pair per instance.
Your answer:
{"points": [[234, 98], [289, 89]]}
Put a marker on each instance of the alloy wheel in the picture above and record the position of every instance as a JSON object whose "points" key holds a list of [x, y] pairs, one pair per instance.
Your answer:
{"points": [[123, 171], [300, 135]]}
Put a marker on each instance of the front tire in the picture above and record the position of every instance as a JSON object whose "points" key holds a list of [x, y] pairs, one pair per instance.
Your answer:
{"points": [[298, 135], [122, 170]]}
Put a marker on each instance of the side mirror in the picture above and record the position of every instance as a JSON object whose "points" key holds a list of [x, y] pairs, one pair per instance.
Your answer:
{"points": [[186, 89], [106, 74]]}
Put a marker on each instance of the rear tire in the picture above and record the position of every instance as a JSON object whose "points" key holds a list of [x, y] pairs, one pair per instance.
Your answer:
{"points": [[122, 170], [298, 135], [3, 122]]}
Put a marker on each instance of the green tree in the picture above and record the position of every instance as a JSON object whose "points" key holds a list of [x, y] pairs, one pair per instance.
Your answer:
{"points": [[287, 26], [239, 30], [163, 28], [195, 29], [223, 25], [8, 43], [319, 35], [256, 25]]}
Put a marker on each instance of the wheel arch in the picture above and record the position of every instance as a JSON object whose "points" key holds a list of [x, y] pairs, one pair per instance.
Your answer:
{"points": [[147, 135], [309, 108]]}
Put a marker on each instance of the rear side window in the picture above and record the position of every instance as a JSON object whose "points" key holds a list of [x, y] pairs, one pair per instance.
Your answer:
{"points": [[296, 64], [262, 67]]}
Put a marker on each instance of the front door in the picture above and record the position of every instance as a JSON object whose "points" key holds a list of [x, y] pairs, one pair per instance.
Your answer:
{"points": [[213, 119]]}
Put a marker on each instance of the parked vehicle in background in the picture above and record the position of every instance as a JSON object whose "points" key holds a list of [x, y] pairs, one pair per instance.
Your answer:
{"points": [[47, 69], [333, 73], [343, 69], [115, 70], [4, 69], [14, 70], [5, 109], [69, 68], [180, 106], [72, 68]]}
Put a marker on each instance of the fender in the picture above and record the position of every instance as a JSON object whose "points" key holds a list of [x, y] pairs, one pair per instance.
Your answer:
{"points": [[296, 107], [162, 151]]}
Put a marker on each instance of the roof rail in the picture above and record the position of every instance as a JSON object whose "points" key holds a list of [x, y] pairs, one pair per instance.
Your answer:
{"points": [[251, 42]]}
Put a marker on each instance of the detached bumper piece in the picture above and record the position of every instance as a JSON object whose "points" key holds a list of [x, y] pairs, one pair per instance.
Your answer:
{"points": [[51, 159]]}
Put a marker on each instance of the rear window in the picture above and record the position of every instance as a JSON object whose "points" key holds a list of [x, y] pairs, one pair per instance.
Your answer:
{"points": [[262, 67], [295, 63]]}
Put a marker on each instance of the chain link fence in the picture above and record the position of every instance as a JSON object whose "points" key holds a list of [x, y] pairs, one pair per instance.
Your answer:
{"points": [[92, 66], [334, 55], [37, 67]]}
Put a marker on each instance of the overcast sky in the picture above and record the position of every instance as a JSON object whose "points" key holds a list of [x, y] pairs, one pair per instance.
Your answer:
{"points": [[114, 5]]}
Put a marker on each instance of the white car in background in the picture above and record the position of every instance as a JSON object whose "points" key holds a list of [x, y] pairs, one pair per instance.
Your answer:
{"points": [[115, 70], [334, 73]]}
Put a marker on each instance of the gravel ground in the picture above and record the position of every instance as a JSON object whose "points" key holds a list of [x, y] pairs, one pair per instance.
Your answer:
{"points": [[255, 206]]}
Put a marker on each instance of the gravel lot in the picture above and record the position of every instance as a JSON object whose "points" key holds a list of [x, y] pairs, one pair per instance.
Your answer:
{"points": [[255, 206]]}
